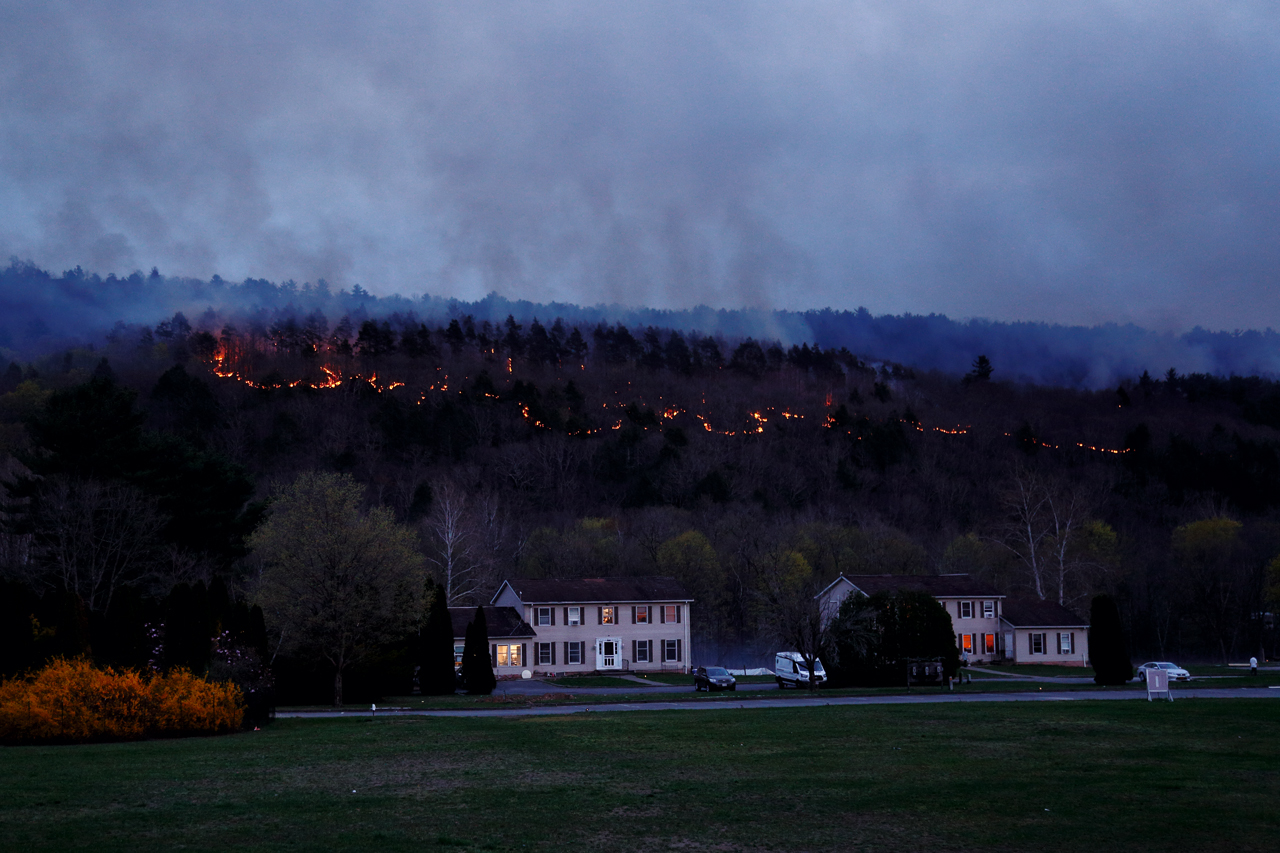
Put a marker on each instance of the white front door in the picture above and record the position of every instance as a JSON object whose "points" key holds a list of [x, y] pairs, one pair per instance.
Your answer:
{"points": [[608, 653]]}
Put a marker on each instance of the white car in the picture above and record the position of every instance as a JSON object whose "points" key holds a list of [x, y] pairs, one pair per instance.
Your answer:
{"points": [[1176, 673]]}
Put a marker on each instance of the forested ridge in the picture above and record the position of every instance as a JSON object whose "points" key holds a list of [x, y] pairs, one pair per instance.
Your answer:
{"points": [[554, 449]]}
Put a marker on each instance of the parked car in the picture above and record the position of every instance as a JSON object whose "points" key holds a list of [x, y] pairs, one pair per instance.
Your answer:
{"points": [[710, 678], [1176, 673], [789, 669]]}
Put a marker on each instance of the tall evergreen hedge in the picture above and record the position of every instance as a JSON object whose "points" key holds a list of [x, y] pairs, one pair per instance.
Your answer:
{"points": [[435, 654], [477, 669], [1108, 648]]}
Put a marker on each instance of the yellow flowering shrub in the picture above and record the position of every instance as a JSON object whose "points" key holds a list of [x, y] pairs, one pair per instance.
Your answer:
{"points": [[73, 701]]}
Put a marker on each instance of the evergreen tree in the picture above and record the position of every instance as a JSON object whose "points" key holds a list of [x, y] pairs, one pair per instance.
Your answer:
{"points": [[436, 675], [477, 669], [1108, 648]]}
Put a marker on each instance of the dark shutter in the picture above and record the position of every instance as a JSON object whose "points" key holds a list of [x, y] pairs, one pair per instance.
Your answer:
{"points": [[633, 651], [599, 615], [553, 616], [553, 653], [662, 614], [566, 653], [679, 656], [493, 654], [566, 616], [524, 655], [633, 614], [648, 614], [678, 616]]}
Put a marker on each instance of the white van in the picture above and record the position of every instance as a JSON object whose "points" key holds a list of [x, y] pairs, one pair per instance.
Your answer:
{"points": [[790, 671]]}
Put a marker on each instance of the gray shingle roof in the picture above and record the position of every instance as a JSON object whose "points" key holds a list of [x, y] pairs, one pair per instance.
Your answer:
{"points": [[1034, 613], [939, 586], [598, 590], [502, 622]]}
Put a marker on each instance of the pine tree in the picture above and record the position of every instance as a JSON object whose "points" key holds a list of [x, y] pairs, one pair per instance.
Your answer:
{"points": [[436, 675], [1108, 648], [477, 669]]}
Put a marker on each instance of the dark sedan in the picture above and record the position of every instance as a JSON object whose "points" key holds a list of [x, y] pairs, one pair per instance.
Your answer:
{"points": [[713, 678]]}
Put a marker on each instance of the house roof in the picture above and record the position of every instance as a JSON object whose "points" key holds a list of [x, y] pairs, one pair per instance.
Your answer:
{"points": [[595, 590], [939, 586], [1034, 613], [501, 621]]}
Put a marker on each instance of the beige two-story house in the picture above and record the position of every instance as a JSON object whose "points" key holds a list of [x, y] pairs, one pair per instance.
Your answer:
{"points": [[974, 607], [602, 624]]}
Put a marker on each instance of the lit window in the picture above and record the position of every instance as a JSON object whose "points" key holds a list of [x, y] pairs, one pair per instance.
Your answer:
{"points": [[989, 644], [574, 617], [544, 616], [457, 656], [642, 615], [608, 616], [988, 610], [966, 610], [671, 613], [966, 643], [509, 655]]}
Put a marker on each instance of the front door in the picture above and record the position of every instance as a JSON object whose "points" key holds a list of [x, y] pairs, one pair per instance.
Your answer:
{"points": [[608, 653]]}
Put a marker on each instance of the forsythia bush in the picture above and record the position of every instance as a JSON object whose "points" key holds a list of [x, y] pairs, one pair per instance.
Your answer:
{"points": [[73, 701]]}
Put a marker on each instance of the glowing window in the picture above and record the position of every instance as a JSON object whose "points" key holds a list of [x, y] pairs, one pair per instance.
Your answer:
{"points": [[642, 615], [989, 644], [608, 615], [966, 643], [509, 655], [671, 613]]}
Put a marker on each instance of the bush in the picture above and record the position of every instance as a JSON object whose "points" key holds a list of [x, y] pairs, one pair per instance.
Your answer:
{"points": [[71, 701], [1108, 649]]}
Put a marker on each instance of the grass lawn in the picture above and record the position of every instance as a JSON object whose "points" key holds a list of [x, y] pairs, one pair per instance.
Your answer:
{"points": [[1041, 669], [1008, 776]]}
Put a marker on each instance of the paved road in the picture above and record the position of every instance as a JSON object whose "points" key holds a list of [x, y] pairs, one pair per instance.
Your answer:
{"points": [[728, 702]]}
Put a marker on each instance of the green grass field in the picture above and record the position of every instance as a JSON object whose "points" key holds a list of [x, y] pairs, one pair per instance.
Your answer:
{"points": [[1100, 776]]}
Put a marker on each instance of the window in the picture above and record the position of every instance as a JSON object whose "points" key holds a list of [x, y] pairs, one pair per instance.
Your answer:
{"points": [[1036, 644], [572, 653], [1066, 643], [640, 615], [988, 610], [573, 616], [966, 610], [546, 616], [546, 654], [670, 613], [457, 656], [966, 643], [670, 651], [509, 655], [642, 651], [608, 615], [989, 644]]}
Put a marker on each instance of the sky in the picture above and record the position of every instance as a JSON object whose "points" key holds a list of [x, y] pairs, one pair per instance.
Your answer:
{"points": [[1079, 163]]}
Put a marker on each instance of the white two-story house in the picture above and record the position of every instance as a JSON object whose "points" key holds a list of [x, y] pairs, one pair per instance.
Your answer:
{"points": [[599, 624], [974, 607]]}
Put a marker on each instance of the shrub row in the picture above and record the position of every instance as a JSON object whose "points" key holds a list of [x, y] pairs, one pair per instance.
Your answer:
{"points": [[72, 701]]}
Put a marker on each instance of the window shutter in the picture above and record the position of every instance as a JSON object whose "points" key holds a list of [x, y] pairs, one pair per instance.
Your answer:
{"points": [[493, 651], [633, 614], [648, 614], [599, 615], [662, 614], [553, 653], [566, 652], [524, 655], [679, 607], [679, 658], [553, 615], [633, 651]]}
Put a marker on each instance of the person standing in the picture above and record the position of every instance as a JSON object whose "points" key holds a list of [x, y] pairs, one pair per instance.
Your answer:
{"points": [[1253, 666]]}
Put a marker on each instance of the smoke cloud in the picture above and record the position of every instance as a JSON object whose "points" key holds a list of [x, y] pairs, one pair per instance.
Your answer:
{"points": [[1074, 163]]}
